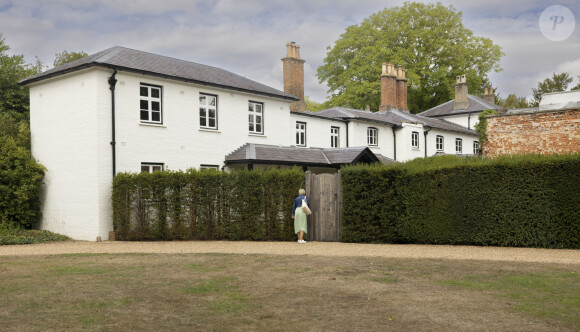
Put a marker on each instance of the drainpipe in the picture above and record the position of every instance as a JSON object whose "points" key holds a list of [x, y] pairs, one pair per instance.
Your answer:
{"points": [[469, 121], [394, 144], [347, 123], [112, 83], [425, 133]]}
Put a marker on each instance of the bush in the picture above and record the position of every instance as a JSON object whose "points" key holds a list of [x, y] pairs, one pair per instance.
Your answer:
{"points": [[205, 205], [528, 201], [12, 235], [20, 184]]}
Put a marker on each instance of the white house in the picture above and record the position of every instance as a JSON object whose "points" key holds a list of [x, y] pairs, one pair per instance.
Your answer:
{"points": [[465, 108], [122, 110]]}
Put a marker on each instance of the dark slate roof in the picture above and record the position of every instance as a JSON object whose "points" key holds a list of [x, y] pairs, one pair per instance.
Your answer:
{"points": [[476, 104], [392, 117], [161, 66], [289, 155]]}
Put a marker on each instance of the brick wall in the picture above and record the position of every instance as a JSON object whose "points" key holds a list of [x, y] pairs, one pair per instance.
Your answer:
{"points": [[542, 132]]}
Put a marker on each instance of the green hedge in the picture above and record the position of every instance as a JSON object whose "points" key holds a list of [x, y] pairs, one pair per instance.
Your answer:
{"points": [[205, 205], [529, 201]]}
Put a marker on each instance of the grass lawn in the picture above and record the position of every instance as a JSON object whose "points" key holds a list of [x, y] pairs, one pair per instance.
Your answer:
{"points": [[217, 292]]}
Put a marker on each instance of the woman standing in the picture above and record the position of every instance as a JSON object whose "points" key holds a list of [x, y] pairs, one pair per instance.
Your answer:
{"points": [[299, 215]]}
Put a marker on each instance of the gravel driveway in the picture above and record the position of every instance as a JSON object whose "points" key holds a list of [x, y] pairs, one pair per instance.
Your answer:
{"points": [[560, 256]]}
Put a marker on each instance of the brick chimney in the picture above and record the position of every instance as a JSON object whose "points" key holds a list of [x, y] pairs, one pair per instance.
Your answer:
{"points": [[401, 89], [461, 101], [294, 76], [488, 95], [388, 87]]}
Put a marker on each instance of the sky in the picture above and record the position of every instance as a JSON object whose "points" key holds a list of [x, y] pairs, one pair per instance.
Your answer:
{"points": [[248, 37]]}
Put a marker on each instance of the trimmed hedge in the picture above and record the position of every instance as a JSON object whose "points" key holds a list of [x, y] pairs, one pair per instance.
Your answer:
{"points": [[529, 201], [205, 205]]}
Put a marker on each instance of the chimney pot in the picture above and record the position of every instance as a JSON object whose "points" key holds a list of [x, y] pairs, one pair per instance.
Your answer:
{"points": [[384, 69], [488, 95], [368, 108]]}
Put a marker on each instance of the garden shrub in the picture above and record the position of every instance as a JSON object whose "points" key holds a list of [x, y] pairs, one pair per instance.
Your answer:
{"points": [[528, 201], [205, 205]]}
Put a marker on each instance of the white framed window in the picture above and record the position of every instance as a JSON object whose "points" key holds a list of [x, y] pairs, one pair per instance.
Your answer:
{"points": [[334, 137], [207, 111], [372, 136], [256, 117], [300, 133], [151, 167], [475, 147], [458, 145], [439, 143], [204, 166], [415, 140], [150, 103]]}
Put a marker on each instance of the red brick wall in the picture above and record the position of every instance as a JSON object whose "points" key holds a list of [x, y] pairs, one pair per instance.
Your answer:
{"points": [[540, 132]]}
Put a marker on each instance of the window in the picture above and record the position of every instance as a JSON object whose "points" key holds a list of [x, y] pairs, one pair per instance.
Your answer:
{"points": [[372, 134], [151, 167], [475, 147], [439, 143], [150, 101], [207, 111], [216, 167], [458, 145], [415, 140], [334, 137], [300, 133], [256, 117]]}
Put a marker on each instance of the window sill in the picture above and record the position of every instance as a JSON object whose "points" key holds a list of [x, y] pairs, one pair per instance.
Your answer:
{"points": [[415, 149], [159, 125], [209, 130], [257, 135]]}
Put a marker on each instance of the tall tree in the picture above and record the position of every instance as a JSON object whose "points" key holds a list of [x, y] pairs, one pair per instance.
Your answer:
{"points": [[429, 40], [66, 57], [577, 87], [513, 101], [558, 82], [13, 97]]}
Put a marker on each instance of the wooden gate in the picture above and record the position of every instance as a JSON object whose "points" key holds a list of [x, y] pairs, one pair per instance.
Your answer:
{"points": [[325, 195]]}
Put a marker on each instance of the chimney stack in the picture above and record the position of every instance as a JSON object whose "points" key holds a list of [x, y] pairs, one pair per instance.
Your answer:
{"points": [[488, 95], [401, 89], [388, 87], [294, 76], [461, 101]]}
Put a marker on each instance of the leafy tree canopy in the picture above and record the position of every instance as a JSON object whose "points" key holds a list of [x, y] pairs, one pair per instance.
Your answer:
{"points": [[13, 97], [429, 40], [66, 57], [512, 101], [314, 106], [558, 82]]}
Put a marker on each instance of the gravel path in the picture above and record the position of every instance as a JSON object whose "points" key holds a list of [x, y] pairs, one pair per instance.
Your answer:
{"points": [[560, 256]]}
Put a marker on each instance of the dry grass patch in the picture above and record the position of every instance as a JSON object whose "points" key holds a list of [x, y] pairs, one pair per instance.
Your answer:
{"points": [[282, 293]]}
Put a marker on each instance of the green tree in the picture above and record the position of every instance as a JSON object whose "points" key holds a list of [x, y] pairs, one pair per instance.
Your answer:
{"points": [[513, 101], [429, 40], [577, 87], [66, 57], [13, 97], [558, 82], [314, 106]]}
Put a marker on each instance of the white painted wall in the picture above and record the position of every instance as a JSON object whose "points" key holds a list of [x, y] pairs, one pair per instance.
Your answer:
{"points": [[318, 130], [179, 142], [63, 119], [466, 120], [357, 136]]}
